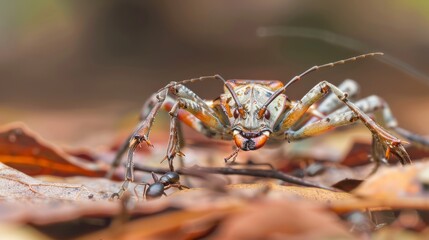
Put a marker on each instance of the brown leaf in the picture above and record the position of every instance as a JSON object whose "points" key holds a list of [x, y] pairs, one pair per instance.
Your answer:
{"points": [[24, 150], [25, 199], [196, 212], [182, 224], [279, 192], [282, 219], [398, 187], [400, 234]]}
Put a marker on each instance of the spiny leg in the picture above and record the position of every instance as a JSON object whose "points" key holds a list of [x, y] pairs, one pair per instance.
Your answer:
{"points": [[173, 147], [382, 140], [200, 116], [141, 134], [328, 104], [150, 104], [232, 156], [197, 115], [388, 142], [331, 101], [206, 121], [182, 144], [118, 157], [145, 111], [389, 120], [167, 104], [344, 116], [371, 104]]}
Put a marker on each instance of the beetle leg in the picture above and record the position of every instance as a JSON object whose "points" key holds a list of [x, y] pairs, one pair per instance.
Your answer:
{"points": [[331, 101], [209, 123], [173, 147], [146, 109], [141, 134], [384, 141], [390, 121], [206, 121], [197, 114], [379, 151], [233, 156], [328, 104]]}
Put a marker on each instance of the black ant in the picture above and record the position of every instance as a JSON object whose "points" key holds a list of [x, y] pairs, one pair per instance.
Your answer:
{"points": [[158, 187]]}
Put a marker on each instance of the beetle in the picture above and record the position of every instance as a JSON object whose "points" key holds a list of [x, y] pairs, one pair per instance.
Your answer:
{"points": [[157, 188], [251, 112]]}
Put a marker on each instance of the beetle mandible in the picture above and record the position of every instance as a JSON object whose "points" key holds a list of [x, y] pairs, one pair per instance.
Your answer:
{"points": [[250, 112]]}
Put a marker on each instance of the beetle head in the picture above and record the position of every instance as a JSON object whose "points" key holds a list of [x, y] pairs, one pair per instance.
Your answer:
{"points": [[250, 130]]}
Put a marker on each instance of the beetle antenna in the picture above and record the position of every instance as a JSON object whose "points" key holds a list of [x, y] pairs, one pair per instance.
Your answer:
{"points": [[203, 78], [233, 94], [312, 69]]}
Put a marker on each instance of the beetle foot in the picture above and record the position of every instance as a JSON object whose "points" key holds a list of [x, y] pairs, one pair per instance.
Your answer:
{"points": [[384, 146], [121, 191], [170, 157], [139, 139]]}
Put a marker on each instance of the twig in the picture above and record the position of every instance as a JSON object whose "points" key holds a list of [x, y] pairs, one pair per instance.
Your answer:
{"points": [[263, 173]]}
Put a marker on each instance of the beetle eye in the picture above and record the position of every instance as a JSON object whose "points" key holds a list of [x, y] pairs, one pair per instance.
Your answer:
{"points": [[236, 113], [267, 115]]}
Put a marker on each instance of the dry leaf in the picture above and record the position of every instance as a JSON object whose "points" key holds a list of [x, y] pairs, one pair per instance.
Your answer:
{"points": [[24, 150], [282, 220], [400, 184]]}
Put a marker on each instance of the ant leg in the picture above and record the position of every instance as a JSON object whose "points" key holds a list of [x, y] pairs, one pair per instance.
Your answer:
{"points": [[154, 177], [144, 190], [179, 186]]}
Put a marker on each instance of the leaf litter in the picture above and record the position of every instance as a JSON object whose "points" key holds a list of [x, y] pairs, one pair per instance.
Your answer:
{"points": [[45, 188]]}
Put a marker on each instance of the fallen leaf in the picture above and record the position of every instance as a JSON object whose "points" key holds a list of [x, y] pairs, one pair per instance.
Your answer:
{"points": [[406, 184], [397, 187], [282, 220], [24, 150]]}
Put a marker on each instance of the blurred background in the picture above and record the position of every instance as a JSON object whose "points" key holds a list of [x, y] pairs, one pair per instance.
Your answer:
{"points": [[75, 70]]}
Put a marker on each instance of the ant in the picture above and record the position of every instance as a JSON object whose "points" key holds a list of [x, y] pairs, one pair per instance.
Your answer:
{"points": [[157, 188]]}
